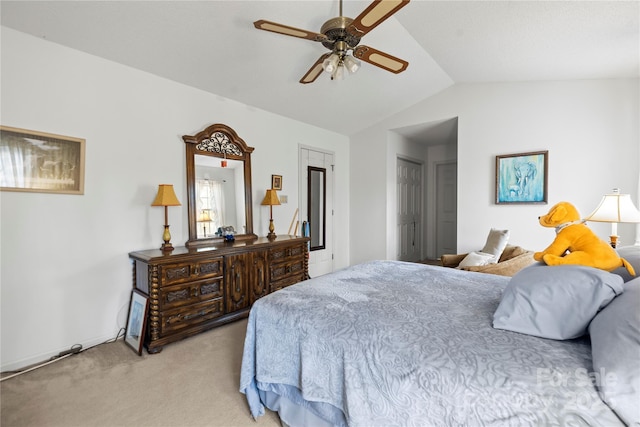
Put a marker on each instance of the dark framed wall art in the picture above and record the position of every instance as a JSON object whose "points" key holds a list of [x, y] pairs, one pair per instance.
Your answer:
{"points": [[276, 182], [41, 162], [522, 178]]}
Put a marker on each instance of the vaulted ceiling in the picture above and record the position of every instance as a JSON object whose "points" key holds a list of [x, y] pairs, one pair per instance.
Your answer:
{"points": [[213, 46]]}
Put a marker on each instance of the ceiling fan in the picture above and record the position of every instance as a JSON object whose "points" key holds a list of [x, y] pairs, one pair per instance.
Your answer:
{"points": [[341, 35]]}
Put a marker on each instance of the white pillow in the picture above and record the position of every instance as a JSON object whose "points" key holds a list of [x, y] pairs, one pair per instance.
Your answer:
{"points": [[496, 242], [476, 258]]}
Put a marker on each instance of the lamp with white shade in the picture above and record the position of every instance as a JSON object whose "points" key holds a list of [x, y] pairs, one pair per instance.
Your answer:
{"points": [[615, 208]]}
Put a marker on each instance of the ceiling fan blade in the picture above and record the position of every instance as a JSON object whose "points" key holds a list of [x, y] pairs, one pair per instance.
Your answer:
{"points": [[380, 59], [374, 15], [288, 31], [315, 70]]}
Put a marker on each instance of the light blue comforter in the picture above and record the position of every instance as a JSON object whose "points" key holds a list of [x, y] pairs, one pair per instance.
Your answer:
{"points": [[389, 343]]}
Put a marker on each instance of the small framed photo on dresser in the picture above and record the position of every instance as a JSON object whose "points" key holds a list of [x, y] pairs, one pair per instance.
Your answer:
{"points": [[136, 321]]}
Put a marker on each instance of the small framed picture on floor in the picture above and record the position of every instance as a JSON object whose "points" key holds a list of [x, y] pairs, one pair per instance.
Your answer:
{"points": [[136, 321]]}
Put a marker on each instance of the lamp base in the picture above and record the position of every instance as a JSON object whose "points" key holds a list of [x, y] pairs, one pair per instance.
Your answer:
{"points": [[614, 241], [272, 229], [166, 236]]}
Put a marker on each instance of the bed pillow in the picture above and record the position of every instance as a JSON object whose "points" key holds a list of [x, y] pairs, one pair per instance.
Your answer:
{"points": [[615, 349], [556, 302], [506, 268], [496, 242], [511, 252], [476, 258], [632, 255]]}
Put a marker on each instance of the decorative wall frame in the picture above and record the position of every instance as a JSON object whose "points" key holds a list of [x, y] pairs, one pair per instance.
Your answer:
{"points": [[41, 162], [522, 178], [276, 182], [136, 321]]}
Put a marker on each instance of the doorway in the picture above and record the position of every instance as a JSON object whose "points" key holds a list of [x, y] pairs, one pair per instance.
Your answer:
{"points": [[446, 208], [316, 207]]}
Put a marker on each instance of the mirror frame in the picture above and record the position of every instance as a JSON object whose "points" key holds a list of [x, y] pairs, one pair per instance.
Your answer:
{"points": [[236, 149], [323, 208]]}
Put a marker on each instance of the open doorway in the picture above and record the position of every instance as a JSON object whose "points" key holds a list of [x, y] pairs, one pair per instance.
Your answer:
{"points": [[438, 143]]}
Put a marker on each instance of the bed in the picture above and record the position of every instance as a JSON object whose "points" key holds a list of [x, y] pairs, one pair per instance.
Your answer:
{"points": [[390, 343]]}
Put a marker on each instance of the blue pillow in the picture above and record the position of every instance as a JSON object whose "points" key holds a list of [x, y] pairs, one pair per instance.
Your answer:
{"points": [[632, 255], [615, 349], [556, 302]]}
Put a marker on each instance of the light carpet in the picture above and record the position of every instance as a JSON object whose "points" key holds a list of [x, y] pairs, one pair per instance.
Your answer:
{"points": [[193, 382]]}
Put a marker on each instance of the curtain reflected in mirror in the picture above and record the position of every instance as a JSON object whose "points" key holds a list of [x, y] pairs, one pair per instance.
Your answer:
{"points": [[316, 209], [210, 207]]}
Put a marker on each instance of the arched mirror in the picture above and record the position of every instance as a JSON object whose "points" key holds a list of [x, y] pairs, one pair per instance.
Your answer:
{"points": [[218, 186]]}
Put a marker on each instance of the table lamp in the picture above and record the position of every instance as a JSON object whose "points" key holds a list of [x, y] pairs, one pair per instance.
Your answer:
{"points": [[166, 197], [204, 218], [615, 208], [271, 199]]}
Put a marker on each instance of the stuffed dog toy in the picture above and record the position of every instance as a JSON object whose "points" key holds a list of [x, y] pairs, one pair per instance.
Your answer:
{"points": [[575, 243]]}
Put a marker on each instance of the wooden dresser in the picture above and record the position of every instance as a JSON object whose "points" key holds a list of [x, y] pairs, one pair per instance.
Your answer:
{"points": [[191, 290]]}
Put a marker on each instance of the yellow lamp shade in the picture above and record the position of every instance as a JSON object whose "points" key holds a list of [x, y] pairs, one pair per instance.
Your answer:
{"points": [[166, 196], [271, 198]]}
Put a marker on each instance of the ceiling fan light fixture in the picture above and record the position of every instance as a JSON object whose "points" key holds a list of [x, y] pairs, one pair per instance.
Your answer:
{"points": [[331, 63], [339, 73], [351, 63]]}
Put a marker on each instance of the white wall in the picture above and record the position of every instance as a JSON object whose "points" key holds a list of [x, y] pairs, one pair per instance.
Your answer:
{"points": [[65, 272], [590, 128]]}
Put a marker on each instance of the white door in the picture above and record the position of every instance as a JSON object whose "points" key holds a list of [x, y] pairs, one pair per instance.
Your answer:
{"points": [[316, 207], [409, 210], [446, 208]]}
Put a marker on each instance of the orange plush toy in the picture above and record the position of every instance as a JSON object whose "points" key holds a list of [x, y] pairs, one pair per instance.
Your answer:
{"points": [[575, 243]]}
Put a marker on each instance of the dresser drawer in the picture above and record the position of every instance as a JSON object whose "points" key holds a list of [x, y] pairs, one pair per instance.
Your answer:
{"points": [[292, 280], [185, 271], [292, 267], [190, 293], [286, 253], [180, 318]]}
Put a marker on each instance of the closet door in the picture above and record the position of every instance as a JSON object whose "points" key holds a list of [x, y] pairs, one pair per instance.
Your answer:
{"points": [[409, 210], [316, 207]]}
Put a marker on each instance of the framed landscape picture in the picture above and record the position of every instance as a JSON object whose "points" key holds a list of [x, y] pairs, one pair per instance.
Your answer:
{"points": [[41, 162], [522, 178]]}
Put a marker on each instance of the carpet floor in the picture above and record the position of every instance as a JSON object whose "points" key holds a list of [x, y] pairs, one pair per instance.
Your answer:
{"points": [[193, 382]]}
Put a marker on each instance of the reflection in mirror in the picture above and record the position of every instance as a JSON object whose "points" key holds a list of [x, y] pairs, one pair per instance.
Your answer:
{"points": [[316, 199], [217, 201]]}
